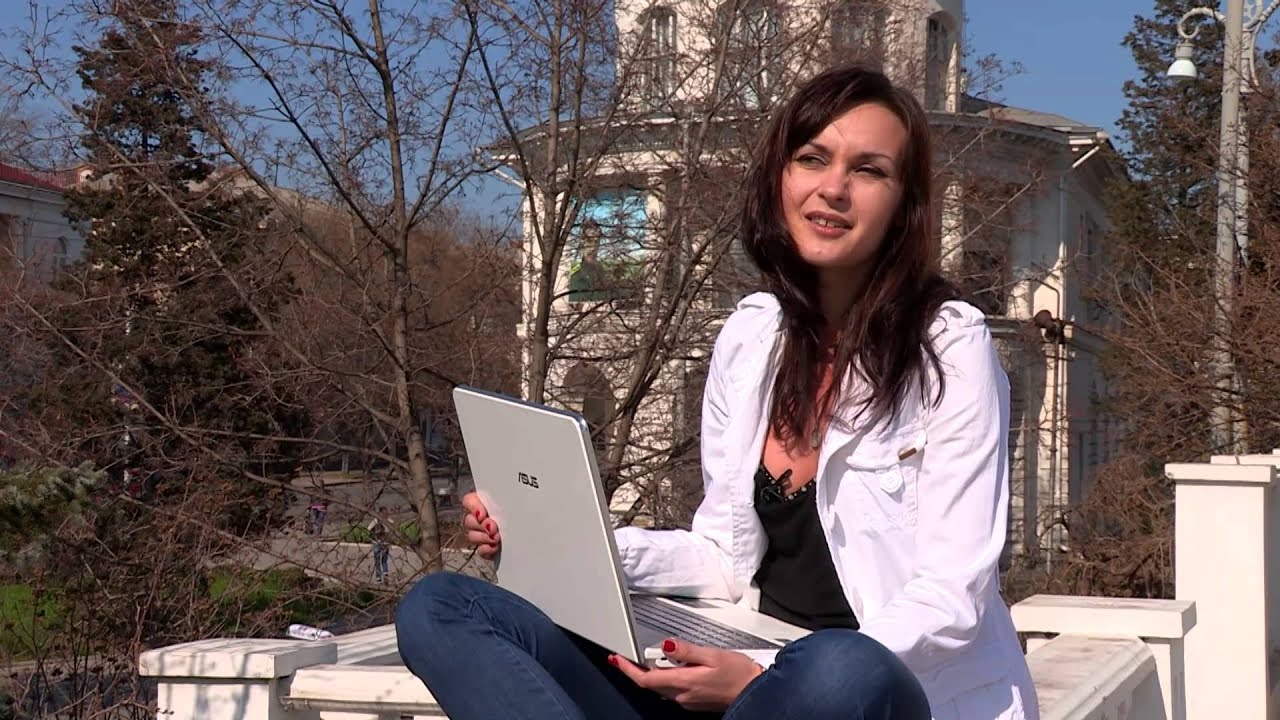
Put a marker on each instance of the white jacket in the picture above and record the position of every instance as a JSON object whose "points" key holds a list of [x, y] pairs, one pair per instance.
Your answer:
{"points": [[915, 536]]}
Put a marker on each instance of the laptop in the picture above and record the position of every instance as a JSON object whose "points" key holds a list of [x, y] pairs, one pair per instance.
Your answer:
{"points": [[535, 470]]}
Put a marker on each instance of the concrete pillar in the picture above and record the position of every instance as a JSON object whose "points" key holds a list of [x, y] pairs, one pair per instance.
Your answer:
{"points": [[1225, 514], [1272, 581], [951, 250], [236, 679]]}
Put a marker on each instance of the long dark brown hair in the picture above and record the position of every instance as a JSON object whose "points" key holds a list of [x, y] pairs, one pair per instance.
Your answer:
{"points": [[884, 339]]}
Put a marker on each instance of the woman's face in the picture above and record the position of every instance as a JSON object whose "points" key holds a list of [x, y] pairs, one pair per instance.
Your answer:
{"points": [[841, 192]]}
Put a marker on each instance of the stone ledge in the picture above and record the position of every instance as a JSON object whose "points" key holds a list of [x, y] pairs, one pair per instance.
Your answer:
{"points": [[1082, 677], [385, 687], [1069, 614], [249, 659], [1270, 459], [371, 646], [1211, 474]]}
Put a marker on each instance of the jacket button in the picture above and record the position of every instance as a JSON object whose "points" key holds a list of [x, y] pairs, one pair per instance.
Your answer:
{"points": [[891, 481]]}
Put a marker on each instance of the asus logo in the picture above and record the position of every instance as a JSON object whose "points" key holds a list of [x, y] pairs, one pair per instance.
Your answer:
{"points": [[529, 480]]}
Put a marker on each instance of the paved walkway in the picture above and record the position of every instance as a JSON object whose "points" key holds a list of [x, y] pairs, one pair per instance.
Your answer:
{"points": [[351, 562]]}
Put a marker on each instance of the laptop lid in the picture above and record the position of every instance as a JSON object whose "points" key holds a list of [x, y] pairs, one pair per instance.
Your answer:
{"points": [[535, 470]]}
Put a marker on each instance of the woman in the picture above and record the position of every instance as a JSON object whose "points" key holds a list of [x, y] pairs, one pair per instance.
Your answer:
{"points": [[855, 472]]}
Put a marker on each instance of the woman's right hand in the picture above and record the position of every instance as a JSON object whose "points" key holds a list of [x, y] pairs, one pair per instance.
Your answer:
{"points": [[482, 530]]}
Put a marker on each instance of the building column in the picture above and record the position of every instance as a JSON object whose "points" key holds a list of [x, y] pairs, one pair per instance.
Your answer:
{"points": [[951, 250]]}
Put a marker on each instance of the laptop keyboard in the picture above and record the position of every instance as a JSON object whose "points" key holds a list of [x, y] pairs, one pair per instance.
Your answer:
{"points": [[678, 622]]}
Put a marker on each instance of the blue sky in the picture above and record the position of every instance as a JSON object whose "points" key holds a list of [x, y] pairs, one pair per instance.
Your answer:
{"points": [[1074, 62], [1075, 65]]}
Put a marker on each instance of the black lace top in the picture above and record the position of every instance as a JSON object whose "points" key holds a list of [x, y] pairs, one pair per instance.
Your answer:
{"points": [[797, 578]]}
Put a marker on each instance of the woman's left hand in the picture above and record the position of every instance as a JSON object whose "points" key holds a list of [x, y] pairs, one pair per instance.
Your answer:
{"points": [[711, 679]]}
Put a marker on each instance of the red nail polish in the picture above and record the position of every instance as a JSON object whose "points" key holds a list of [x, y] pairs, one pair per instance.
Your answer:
{"points": [[613, 660], [668, 646]]}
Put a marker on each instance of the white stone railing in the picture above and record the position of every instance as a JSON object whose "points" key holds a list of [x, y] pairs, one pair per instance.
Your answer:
{"points": [[1203, 656], [1086, 667], [1100, 658]]}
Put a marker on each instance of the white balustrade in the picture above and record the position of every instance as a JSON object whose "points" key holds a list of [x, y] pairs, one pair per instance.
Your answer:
{"points": [[1208, 654]]}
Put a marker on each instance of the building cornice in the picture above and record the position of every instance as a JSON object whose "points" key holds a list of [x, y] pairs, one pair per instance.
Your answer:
{"points": [[30, 192], [1011, 129]]}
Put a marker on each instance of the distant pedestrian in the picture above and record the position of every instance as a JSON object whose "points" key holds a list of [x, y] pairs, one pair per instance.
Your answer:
{"points": [[319, 508], [381, 551]]}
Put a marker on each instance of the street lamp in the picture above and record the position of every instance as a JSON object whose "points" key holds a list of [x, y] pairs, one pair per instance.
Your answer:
{"points": [[1238, 76], [1183, 68]]}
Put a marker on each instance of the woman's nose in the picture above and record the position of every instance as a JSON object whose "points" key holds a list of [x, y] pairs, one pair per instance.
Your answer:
{"points": [[834, 188]]}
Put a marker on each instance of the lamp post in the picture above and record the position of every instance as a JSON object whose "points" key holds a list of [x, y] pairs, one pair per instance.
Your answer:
{"points": [[1238, 75]]}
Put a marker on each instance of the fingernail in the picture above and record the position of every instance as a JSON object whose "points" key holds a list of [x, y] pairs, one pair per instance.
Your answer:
{"points": [[668, 646], [476, 514], [613, 660], [488, 525]]}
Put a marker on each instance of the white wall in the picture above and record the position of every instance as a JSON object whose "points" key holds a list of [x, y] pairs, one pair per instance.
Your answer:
{"points": [[36, 227], [1047, 263]]}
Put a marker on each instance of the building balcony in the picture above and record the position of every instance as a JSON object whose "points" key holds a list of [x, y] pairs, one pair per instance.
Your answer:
{"points": [[1207, 654]]}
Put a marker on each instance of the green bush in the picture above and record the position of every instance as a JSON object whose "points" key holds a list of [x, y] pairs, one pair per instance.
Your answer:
{"points": [[355, 533], [36, 500], [407, 533], [302, 599], [255, 591]]}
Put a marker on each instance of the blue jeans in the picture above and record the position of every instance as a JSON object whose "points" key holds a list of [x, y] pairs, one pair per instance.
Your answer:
{"points": [[487, 654], [381, 558]]}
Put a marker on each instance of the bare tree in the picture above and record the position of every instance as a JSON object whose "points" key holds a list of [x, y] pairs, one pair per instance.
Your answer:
{"points": [[357, 126], [630, 179], [352, 137]]}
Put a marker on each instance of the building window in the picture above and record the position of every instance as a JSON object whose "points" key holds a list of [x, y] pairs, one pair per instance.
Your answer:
{"points": [[985, 280], [734, 277], [858, 29], [938, 64], [752, 67], [1091, 268], [9, 257], [657, 61], [7, 235], [987, 226], [609, 247]]}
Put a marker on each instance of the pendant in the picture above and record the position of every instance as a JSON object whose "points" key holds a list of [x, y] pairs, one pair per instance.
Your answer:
{"points": [[815, 439]]}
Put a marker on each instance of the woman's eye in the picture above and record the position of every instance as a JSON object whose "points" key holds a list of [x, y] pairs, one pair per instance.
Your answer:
{"points": [[872, 170], [809, 160]]}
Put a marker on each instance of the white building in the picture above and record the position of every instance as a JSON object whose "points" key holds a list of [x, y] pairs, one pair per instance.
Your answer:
{"points": [[1021, 225], [35, 236]]}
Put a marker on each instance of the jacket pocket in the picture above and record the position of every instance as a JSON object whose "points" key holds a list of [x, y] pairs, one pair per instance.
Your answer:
{"points": [[999, 700], [973, 677], [886, 472]]}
